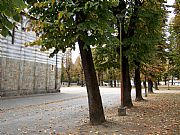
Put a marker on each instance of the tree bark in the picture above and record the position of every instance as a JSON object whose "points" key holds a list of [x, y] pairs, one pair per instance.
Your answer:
{"points": [[99, 78], [165, 81], [150, 86], [158, 81], [114, 77], [137, 81], [111, 83], [156, 86], [127, 101], [110, 77], [102, 84], [69, 80], [114, 83], [145, 86], [172, 81], [96, 112]]}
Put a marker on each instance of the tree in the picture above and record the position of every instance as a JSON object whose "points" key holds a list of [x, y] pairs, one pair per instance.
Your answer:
{"points": [[68, 65], [130, 13], [150, 86], [78, 69], [63, 23], [140, 34], [147, 34], [10, 15], [174, 43], [106, 61], [137, 81]]}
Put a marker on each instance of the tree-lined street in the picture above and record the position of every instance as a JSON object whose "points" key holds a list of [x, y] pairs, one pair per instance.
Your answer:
{"points": [[123, 43], [55, 113]]}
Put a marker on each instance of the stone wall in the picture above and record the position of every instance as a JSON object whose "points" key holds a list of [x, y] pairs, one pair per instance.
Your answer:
{"points": [[27, 70]]}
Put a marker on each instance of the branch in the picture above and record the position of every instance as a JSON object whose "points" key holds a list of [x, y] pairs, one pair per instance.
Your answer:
{"points": [[27, 15]]}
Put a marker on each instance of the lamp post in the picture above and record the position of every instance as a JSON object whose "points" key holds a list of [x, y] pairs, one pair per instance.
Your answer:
{"points": [[121, 109]]}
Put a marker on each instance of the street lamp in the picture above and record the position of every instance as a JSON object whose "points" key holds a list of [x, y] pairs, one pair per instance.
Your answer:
{"points": [[121, 109]]}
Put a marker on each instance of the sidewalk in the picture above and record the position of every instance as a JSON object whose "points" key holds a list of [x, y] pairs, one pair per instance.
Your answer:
{"points": [[38, 99], [159, 114]]}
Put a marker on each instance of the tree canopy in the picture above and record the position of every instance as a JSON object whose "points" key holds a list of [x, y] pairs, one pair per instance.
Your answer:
{"points": [[58, 26], [9, 15], [174, 43]]}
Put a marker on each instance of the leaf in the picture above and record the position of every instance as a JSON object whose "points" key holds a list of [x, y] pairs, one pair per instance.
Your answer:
{"points": [[60, 15], [17, 17], [18, 4], [5, 21], [4, 32], [53, 1]]}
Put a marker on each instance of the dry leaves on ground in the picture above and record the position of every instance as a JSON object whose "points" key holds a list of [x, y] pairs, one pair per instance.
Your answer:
{"points": [[159, 114]]}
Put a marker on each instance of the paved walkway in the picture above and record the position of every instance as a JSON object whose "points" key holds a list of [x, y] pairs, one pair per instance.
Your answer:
{"points": [[48, 113], [44, 114]]}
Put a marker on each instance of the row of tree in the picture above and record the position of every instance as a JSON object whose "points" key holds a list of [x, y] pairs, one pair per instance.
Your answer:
{"points": [[174, 43], [61, 24]]}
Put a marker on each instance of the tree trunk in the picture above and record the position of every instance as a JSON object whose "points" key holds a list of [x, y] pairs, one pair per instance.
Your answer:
{"points": [[96, 112], [165, 81], [156, 85], [127, 101], [69, 80], [114, 83], [99, 78], [114, 77], [102, 84], [172, 80], [111, 83], [145, 86], [150, 86], [78, 76], [137, 81], [158, 81]]}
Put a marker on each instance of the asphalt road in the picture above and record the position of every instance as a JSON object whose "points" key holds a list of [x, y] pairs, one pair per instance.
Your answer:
{"points": [[50, 113]]}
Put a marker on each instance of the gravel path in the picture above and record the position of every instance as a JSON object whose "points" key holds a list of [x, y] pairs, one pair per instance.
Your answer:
{"points": [[159, 114], [49, 113]]}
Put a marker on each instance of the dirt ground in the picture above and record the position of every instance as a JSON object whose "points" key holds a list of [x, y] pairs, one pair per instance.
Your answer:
{"points": [[159, 114]]}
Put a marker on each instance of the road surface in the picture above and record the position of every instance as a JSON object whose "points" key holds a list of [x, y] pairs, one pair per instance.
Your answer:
{"points": [[50, 113]]}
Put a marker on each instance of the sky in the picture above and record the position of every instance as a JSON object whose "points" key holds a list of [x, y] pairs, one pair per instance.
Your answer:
{"points": [[170, 2], [76, 52]]}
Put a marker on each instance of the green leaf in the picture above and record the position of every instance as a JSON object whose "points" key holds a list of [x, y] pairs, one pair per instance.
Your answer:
{"points": [[17, 17], [6, 22], [61, 27], [4, 32], [60, 15], [18, 4]]}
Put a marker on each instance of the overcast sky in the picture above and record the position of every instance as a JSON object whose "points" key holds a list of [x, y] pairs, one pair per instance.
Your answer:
{"points": [[171, 2], [75, 53]]}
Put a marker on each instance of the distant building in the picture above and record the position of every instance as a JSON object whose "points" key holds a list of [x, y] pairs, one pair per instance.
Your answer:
{"points": [[27, 70]]}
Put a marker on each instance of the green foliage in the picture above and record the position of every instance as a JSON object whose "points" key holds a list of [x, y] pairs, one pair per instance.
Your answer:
{"points": [[174, 43], [59, 28], [148, 32], [9, 15], [145, 44], [106, 57], [176, 25]]}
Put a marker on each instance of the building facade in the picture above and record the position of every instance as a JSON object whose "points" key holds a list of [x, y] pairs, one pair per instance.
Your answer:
{"points": [[27, 70]]}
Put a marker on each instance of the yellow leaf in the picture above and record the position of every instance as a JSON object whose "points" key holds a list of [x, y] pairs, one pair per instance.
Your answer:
{"points": [[53, 1]]}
